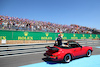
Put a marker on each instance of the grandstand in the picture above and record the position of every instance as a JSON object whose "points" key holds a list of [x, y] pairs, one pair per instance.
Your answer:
{"points": [[14, 23]]}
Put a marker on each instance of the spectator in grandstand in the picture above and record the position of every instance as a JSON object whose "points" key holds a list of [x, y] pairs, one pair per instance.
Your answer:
{"points": [[7, 22], [9, 25]]}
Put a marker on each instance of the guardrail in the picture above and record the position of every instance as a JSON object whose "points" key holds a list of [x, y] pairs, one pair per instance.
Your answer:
{"points": [[22, 49], [6, 50], [89, 42]]}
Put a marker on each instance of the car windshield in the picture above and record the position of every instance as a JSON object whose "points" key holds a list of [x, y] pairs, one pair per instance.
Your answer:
{"points": [[71, 42]]}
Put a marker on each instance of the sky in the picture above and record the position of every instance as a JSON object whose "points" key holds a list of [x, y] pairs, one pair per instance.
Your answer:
{"points": [[80, 12]]}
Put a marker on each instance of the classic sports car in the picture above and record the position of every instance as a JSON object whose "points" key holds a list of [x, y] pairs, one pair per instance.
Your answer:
{"points": [[66, 53]]}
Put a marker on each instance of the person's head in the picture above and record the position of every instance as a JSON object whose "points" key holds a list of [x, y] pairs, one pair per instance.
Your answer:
{"points": [[59, 35]]}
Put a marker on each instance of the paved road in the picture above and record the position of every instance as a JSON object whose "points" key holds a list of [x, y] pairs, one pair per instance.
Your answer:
{"points": [[15, 61]]}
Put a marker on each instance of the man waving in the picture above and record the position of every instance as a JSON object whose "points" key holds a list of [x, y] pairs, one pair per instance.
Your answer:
{"points": [[59, 40]]}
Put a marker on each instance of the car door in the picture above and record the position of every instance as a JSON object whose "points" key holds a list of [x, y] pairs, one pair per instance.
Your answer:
{"points": [[80, 49], [76, 49]]}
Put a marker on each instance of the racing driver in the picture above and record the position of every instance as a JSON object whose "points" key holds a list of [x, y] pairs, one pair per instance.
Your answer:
{"points": [[59, 40]]}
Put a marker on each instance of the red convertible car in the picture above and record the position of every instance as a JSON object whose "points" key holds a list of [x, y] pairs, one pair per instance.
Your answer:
{"points": [[68, 52]]}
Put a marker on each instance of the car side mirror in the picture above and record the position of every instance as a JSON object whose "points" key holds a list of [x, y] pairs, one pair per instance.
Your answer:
{"points": [[81, 46]]}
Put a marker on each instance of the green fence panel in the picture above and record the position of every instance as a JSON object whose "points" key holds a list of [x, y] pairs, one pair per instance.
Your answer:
{"points": [[26, 35], [5, 35]]}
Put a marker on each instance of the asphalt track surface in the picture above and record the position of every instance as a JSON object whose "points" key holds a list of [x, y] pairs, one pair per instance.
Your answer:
{"points": [[37, 60]]}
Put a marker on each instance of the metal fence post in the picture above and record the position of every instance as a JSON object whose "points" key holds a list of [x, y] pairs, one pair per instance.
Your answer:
{"points": [[93, 42], [99, 41], [86, 42]]}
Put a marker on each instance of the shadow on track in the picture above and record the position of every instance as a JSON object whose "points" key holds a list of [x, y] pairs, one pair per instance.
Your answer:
{"points": [[48, 61]]}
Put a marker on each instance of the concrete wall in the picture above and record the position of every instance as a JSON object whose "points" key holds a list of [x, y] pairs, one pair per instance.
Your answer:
{"points": [[27, 41]]}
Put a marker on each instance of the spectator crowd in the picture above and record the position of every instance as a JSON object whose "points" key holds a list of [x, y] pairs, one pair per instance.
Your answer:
{"points": [[15, 23]]}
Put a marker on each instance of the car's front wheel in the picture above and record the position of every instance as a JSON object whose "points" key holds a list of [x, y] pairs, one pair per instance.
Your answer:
{"points": [[67, 58], [89, 53]]}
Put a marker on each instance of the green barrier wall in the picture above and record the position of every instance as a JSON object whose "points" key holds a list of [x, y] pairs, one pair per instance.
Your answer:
{"points": [[21, 35]]}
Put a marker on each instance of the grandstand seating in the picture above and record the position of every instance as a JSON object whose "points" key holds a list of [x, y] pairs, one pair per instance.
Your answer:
{"points": [[14, 23]]}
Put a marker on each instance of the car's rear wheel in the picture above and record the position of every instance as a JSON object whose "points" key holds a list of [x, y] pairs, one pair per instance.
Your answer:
{"points": [[67, 58], [89, 53]]}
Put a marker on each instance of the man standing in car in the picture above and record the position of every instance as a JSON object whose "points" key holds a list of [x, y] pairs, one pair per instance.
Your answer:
{"points": [[59, 40]]}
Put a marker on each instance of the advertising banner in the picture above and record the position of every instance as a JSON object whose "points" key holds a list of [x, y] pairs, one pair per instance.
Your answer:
{"points": [[26, 35]]}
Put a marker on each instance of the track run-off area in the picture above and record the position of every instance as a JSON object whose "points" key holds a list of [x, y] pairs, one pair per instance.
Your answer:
{"points": [[38, 60]]}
